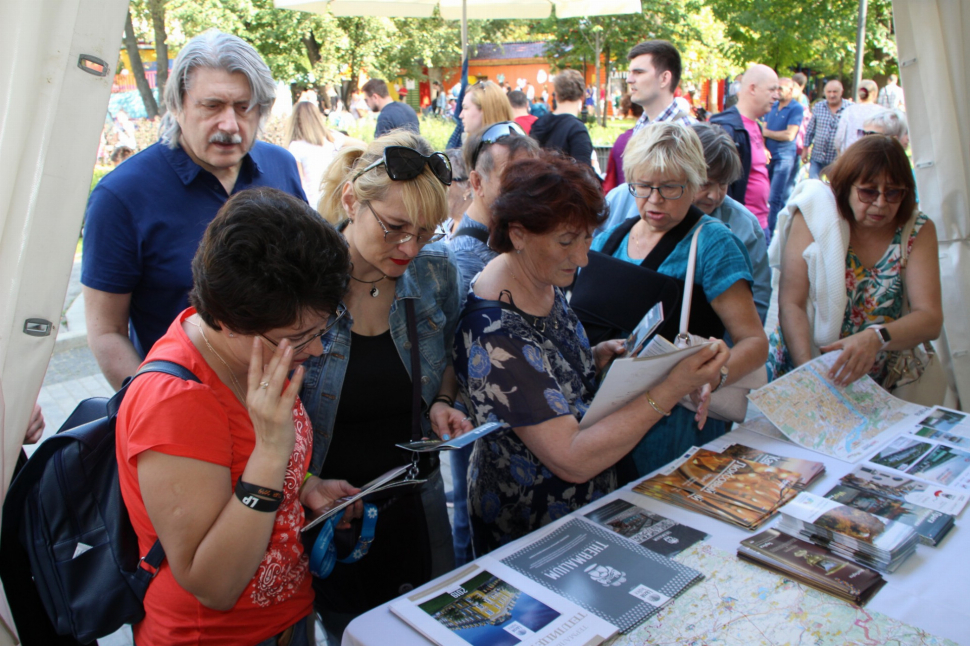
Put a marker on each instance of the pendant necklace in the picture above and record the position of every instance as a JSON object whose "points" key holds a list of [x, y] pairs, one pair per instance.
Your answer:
{"points": [[236, 388], [374, 292]]}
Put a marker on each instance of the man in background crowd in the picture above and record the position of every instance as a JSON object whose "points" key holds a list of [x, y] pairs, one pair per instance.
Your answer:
{"points": [[781, 130], [653, 78], [520, 108], [820, 134], [891, 96], [391, 114]]}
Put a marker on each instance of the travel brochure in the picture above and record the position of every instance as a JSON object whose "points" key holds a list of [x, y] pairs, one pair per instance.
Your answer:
{"points": [[387, 481], [489, 604], [855, 534], [812, 565], [616, 579], [931, 525], [739, 491], [652, 531], [808, 470], [425, 446], [900, 486]]}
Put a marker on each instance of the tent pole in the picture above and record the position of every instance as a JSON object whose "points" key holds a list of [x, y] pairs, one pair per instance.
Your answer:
{"points": [[860, 41], [464, 30]]}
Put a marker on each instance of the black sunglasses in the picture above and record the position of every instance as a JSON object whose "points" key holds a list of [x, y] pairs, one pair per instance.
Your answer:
{"points": [[494, 133], [403, 163]]}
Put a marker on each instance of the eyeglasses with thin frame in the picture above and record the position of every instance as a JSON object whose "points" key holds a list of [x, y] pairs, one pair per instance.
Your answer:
{"points": [[493, 134], [667, 191], [297, 347], [870, 195], [400, 237]]}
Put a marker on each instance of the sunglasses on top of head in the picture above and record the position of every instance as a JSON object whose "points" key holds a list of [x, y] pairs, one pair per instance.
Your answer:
{"points": [[403, 163], [495, 133]]}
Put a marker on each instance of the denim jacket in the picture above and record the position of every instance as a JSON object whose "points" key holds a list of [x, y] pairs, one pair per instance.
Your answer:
{"points": [[432, 280]]}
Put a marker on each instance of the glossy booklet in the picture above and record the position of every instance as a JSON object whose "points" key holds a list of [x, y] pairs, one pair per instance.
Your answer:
{"points": [[652, 531], [424, 446], [931, 525], [387, 481], [489, 604]]}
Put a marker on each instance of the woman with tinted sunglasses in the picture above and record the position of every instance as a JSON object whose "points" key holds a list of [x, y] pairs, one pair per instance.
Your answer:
{"points": [[389, 199], [855, 227]]}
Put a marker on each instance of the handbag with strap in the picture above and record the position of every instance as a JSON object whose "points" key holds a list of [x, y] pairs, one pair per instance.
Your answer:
{"points": [[729, 403], [610, 296], [917, 375]]}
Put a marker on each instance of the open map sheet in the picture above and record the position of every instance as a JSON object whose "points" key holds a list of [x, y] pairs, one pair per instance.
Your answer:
{"points": [[738, 603], [844, 423]]}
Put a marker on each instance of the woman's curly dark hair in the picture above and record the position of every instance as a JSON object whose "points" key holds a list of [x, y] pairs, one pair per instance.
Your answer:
{"points": [[265, 261]]}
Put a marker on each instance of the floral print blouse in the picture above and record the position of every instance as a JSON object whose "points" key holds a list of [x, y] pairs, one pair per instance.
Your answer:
{"points": [[875, 297], [509, 371]]}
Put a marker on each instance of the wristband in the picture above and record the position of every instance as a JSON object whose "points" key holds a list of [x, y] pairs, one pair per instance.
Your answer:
{"points": [[307, 477], [444, 399], [655, 405], [262, 492], [255, 502]]}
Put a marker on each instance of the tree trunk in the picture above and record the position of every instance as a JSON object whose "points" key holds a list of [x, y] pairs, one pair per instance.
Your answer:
{"points": [[138, 70], [157, 9]]}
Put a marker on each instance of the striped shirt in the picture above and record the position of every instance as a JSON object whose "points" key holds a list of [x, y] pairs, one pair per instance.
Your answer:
{"points": [[821, 131], [667, 115]]}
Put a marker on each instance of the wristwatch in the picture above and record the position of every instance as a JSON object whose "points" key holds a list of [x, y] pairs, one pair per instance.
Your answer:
{"points": [[883, 335], [724, 376]]}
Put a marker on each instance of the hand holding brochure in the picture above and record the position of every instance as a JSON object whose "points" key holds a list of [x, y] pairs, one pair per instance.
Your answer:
{"points": [[425, 446], [384, 482]]}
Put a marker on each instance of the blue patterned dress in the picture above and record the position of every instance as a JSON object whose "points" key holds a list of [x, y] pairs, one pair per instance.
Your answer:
{"points": [[510, 372]]}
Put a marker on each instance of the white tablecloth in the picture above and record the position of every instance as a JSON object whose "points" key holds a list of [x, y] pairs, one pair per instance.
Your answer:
{"points": [[931, 590]]}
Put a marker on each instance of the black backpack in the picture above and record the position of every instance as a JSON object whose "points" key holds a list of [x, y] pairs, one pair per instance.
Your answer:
{"points": [[65, 526]]}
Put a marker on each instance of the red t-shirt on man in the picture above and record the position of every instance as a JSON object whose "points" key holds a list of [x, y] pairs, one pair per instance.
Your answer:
{"points": [[205, 421], [526, 121]]}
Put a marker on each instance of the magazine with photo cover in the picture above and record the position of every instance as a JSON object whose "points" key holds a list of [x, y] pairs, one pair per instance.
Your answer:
{"points": [[654, 532], [812, 565], [610, 576], [931, 525], [809, 470], [899, 486], [739, 491], [489, 604]]}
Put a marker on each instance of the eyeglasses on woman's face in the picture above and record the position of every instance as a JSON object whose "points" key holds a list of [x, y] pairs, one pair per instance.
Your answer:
{"points": [[400, 237], [871, 195], [298, 345], [667, 191]]}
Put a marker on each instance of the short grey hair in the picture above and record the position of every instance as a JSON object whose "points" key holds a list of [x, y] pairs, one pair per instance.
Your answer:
{"points": [[666, 147], [215, 50], [720, 153], [892, 122]]}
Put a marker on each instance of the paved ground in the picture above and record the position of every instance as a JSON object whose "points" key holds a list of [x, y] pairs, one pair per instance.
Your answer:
{"points": [[73, 375]]}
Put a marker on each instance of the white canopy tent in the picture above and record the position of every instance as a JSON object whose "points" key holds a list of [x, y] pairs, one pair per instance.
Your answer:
{"points": [[52, 113]]}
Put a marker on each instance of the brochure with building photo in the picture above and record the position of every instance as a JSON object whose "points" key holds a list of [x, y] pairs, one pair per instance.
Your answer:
{"points": [[809, 470], [654, 532], [610, 576], [931, 525], [489, 604], [899, 486], [735, 490], [926, 459]]}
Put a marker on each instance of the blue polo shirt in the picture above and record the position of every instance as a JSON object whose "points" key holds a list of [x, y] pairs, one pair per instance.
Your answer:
{"points": [[144, 222], [780, 119]]}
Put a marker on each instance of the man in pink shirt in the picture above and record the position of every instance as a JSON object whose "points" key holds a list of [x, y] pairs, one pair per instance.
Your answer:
{"points": [[758, 92]]}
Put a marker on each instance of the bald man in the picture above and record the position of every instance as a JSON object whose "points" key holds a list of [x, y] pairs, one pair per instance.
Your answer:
{"points": [[758, 92], [820, 135]]}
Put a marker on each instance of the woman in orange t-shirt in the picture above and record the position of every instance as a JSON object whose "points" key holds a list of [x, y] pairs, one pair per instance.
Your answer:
{"points": [[267, 280]]}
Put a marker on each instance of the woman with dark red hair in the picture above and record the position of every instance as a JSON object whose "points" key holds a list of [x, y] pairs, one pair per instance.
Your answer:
{"points": [[523, 358]]}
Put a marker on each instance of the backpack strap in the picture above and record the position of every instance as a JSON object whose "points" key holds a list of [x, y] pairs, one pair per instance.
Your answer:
{"points": [[472, 232], [664, 247]]}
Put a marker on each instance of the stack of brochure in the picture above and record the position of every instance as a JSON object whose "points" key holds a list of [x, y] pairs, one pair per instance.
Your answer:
{"points": [[739, 491], [931, 525], [812, 565], [808, 470], [857, 535]]}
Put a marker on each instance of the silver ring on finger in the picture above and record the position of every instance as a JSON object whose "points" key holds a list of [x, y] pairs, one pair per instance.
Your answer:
{"points": [[264, 385]]}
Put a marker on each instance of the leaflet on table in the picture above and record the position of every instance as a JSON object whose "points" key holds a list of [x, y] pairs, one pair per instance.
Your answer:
{"points": [[489, 604], [844, 423], [630, 378], [738, 491], [654, 532], [812, 565], [809, 470], [853, 526], [926, 459], [931, 525], [611, 577], [899, 486], [382, 483], [425, 446]]}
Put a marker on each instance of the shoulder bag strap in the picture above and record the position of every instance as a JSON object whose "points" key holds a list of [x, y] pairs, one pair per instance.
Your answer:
{"points": [[473, 232], [537, 324], [671, 239], [620, 232], [683, 338], [416, 432]]}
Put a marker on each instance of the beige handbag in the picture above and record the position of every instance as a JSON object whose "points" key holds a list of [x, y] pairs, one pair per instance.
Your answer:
{"points": [[917, 375], [730, 403]]}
